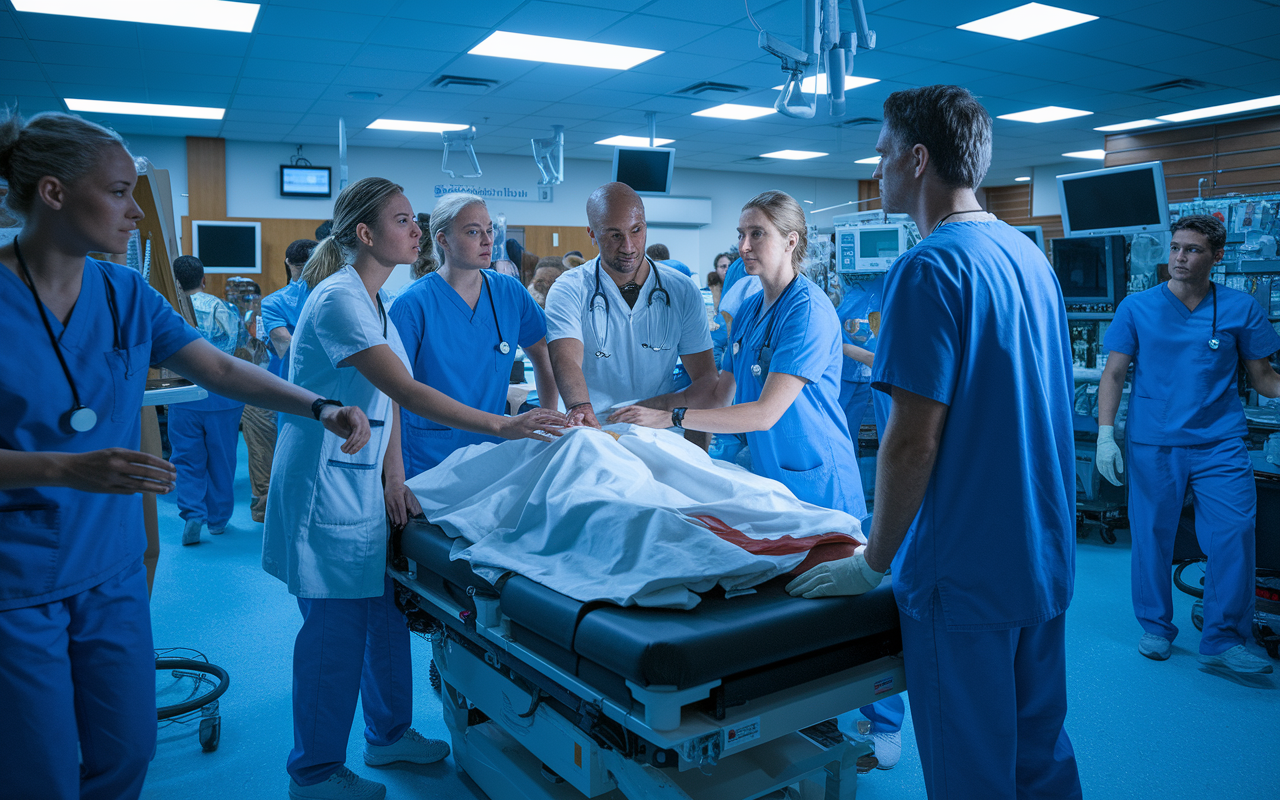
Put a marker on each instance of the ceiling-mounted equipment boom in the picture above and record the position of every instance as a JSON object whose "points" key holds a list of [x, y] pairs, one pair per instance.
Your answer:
{"points": [[827, 49]]}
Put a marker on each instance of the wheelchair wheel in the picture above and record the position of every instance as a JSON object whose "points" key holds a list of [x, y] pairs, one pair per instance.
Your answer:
{"points": [[1197, 614]]}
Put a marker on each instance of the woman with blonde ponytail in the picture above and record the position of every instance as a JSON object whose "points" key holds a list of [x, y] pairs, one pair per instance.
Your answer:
{"points": [[326, 527]]}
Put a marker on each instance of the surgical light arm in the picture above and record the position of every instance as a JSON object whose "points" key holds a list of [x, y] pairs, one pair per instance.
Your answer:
{"points": [[548, 154], [466, 141], [825, 45]]}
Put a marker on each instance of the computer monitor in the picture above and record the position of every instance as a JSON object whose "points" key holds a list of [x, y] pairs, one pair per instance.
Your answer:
{"points": [[1115, 200], [1034, 232], [227, 247], [1091, 270], [305, 181], [647, 170]]}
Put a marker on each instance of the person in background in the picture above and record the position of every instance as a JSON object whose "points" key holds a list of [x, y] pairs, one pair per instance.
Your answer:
{"points": [[548, 271], [721, 264], [203, 433], [660, 252], [77, 664], [426, 262], [719, 332], [572, 254], [1186, 431], [323, 230], [976, 355]]}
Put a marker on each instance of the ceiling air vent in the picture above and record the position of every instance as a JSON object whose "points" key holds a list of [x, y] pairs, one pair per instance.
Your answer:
{"points": [[459, 83], [1179, 85], [856, 121], [710, 87]]}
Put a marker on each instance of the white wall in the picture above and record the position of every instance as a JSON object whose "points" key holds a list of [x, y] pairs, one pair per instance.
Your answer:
{"points": [[253, 188]]}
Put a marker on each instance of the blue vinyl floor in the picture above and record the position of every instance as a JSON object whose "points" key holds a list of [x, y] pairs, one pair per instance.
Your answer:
{"points": [[1141, 729]]}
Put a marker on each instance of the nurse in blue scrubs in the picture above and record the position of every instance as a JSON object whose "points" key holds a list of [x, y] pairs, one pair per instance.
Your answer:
{"points": [[859, 314], [461, 326], [77, 685], [782, 373], [1186, 430]]}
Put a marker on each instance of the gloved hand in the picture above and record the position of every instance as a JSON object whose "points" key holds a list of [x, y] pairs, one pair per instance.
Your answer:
{"points": [[1110, 462], [846, 576]]}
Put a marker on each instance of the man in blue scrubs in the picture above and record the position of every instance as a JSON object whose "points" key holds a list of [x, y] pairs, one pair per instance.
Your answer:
{"points": [[975, 484], [1186, 429]]}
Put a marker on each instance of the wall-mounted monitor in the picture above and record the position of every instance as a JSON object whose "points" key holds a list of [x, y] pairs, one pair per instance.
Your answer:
{"points": [[1033, 232], [227, 247], [648, 170], [305, 181], [1091, 270], [1115, 200]]}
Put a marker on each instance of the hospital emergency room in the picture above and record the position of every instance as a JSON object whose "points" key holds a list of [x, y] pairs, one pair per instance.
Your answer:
{"points": [[639, 399]]}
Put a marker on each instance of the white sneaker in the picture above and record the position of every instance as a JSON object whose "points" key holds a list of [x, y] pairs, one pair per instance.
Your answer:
{"points": [[217, 531], [191, 533], [342, 785], [412, 747], [888, 748], [1156, 648], [1238, 659]]}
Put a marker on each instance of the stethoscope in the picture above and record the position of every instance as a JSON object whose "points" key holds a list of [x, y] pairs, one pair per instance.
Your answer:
{"points": [[1213, 337], [503, 347], [603, 307], [80, 418], [765, 356]]}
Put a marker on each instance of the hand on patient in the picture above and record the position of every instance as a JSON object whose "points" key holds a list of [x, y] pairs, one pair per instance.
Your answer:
{"points": [[543, 424], [639, 415], [401, 503], [348, 422], [847, 576], [583, 416]]}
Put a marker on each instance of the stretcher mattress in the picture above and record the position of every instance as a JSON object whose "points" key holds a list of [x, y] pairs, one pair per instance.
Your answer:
{"points": [[753, 644]]}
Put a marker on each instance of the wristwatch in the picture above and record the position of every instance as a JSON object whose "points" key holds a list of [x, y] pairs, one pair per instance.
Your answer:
{"points": [[321, 403], [677, 417]]}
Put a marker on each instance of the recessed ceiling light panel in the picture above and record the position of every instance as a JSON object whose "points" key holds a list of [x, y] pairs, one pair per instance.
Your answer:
{"points": [[1046, 114], [633, 141], [1223, 110], [573, 52], [143, 109], [734, 111], [1024, 22], [818, 83], [218, 15], [1023, 179], [415, 126], [793, 155], [1129, 126], [1097, 155], [872, 160]]}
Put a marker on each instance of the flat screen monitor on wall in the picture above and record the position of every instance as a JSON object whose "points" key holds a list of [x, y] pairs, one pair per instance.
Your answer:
{"points": [[646, 169], [1115, 200], [1033, 232], [305, 181], [227, 247]]}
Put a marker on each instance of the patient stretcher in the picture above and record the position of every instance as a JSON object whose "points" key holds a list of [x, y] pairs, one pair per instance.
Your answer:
{"points": [[551, 698]]}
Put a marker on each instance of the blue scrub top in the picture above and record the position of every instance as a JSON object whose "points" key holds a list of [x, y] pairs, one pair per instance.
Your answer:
{"points": [[974, 319], [809, 449], [56, 542], [454, 349], [281, 309], [736, 272], [1184, 392], [678, 266]]}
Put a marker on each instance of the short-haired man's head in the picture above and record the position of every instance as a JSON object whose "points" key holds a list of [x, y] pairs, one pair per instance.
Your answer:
{"points": [[189, 272], [658, 252], [787, 216], [324, 229], [714, 279], [950, 123], [608, 200], [1211, 228], [298, 251]]}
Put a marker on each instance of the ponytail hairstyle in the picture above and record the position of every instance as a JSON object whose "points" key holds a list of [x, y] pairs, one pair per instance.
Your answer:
{"points": [[360, 202], [50, 144], [787, 216], [445, 212]]}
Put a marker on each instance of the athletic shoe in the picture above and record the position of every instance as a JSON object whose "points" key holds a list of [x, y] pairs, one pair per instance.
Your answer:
{"points": [[341, 785], [888, 748], [1237, 659], [217, 531], [1156, 648], [191, 533], [412, 747]]}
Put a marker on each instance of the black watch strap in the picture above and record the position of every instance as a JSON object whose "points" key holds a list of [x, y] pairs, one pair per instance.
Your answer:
{"points": [[677, 417], [321, 403]]}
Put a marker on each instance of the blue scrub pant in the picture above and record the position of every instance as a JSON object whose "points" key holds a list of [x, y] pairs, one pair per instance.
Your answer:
{"points": [[80, 670], [204, 453], [348, 648], [885, 716], [988, 709], [1226, 501]]}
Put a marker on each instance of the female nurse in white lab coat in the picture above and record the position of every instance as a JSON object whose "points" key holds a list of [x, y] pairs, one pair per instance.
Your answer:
{"points": [[326, 527]]}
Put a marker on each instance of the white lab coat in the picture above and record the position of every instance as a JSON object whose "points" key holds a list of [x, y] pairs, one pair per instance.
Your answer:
{"points": [[326, 525], [631, 372]]}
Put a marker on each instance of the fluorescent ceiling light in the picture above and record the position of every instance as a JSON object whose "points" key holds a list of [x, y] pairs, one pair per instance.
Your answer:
{"points": [[820, 82], [1023, 179], [414, 125], [1128, 126], [793, 155], [1094, 154], [144, 109], [1024, 22], [734, 111], [550, 50], [872, 160], [633, 141], [1046, 114], [1229, 108], [218, 15]]}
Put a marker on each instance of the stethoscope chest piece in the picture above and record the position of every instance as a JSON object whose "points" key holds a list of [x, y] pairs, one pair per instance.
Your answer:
{"points": [[1213, 344], [755, 370], [83, 419], [504, 348]]}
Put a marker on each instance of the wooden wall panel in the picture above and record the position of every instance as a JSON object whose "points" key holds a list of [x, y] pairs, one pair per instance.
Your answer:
{"points": [[537, 240], [206, 177], [277, 235], [868, 190]]}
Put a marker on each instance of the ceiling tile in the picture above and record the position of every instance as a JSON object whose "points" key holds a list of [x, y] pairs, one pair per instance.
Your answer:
{"points": [[192, 41], [655, 33], [315, 23], [158, 60], [12, 86], [420, 35], [282, 70], [75, 30], [128, 59], [15, 50], [724, 12], [295, 48], [404, 58], [945, 45], [1021, 58], [380, 79], [21, 71], [485, 14], [250, 87], [563, 21], [182, 82]]}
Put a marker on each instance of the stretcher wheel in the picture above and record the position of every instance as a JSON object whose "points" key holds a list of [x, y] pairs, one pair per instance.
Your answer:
{"points": [[1197, 614], [1107, 535], [1184, 586], [210, 733], [433, 676]]}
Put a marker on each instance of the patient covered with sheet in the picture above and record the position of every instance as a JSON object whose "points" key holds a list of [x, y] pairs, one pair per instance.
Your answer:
{"points": [[629, 514]]}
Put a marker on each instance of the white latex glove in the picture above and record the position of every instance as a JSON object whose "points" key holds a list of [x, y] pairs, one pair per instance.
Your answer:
{"points": [[1110, 462], [843, 577]]}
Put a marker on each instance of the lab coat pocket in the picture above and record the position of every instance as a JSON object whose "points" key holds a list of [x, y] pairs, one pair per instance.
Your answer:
{"points": [[348, 487], [31, 538], [128, 368]]}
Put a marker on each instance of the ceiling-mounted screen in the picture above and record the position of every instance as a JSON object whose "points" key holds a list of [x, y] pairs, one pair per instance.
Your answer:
{"points": [[648, 170], [305, 181], [1115, 200]]}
